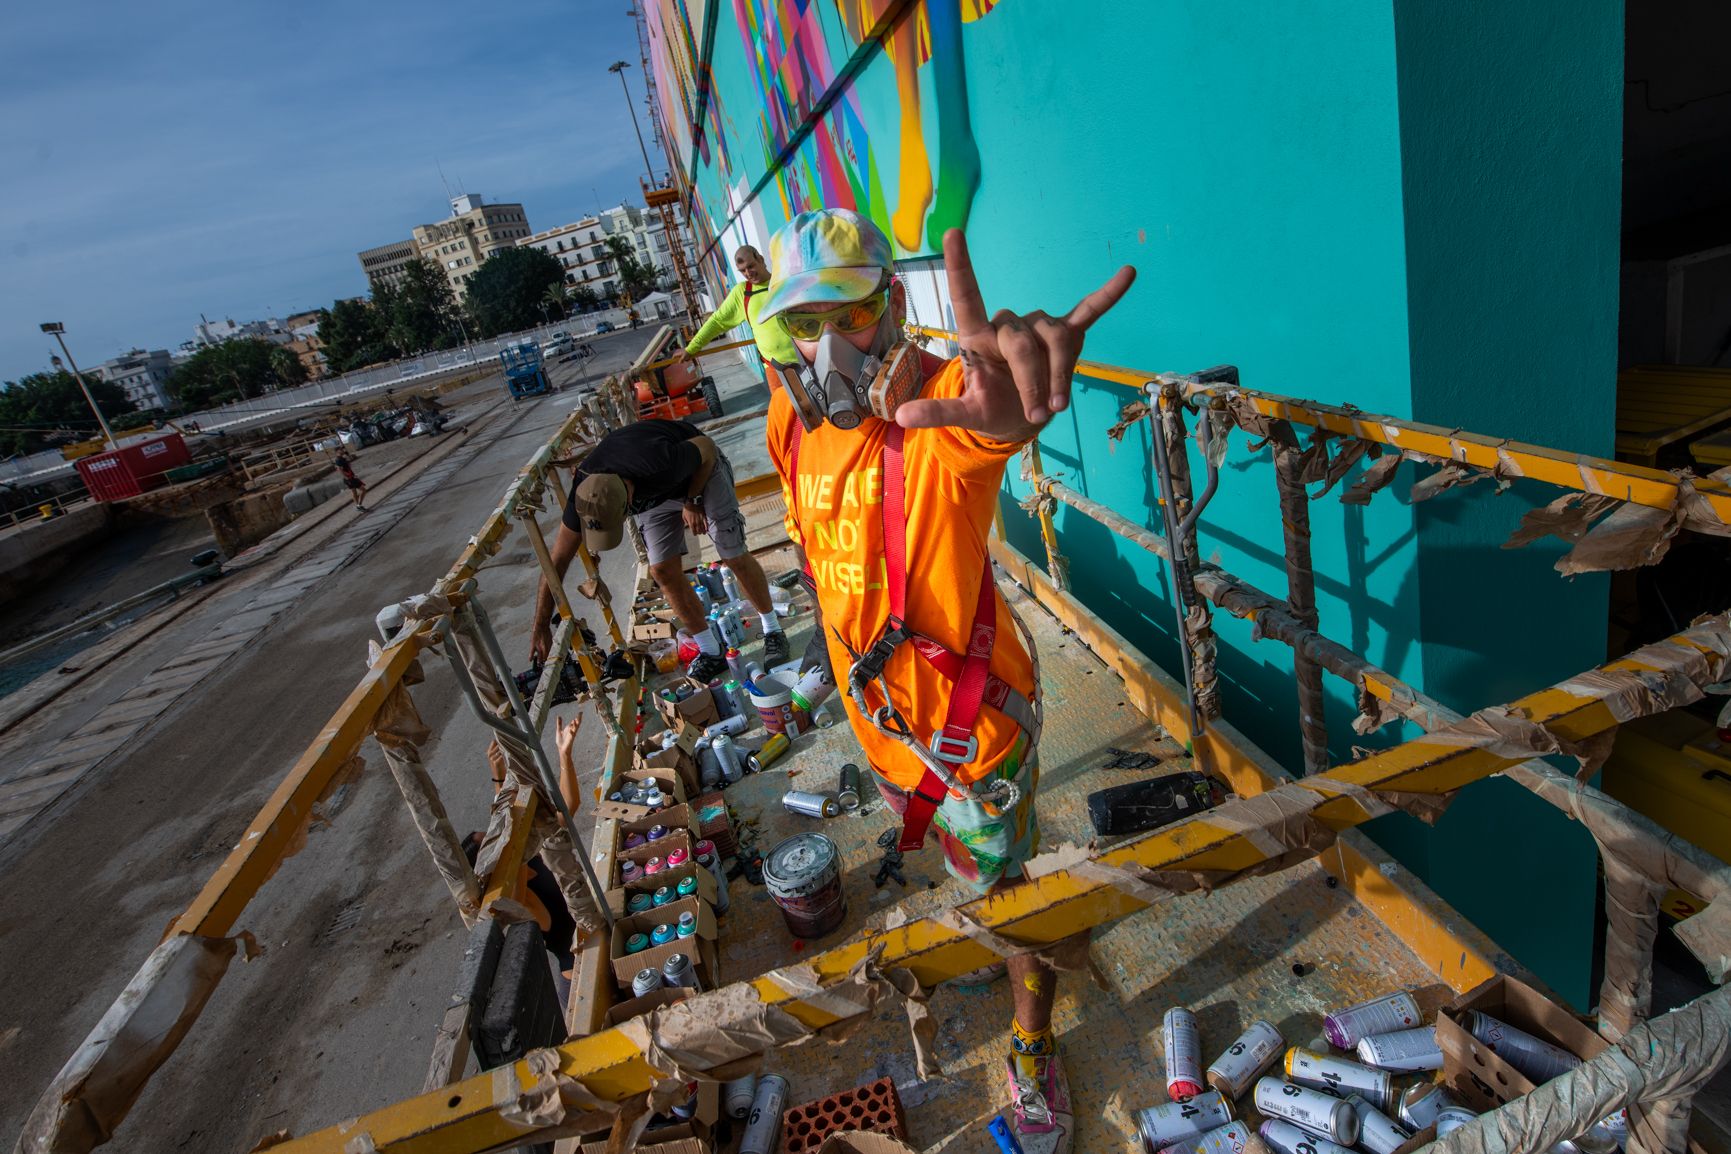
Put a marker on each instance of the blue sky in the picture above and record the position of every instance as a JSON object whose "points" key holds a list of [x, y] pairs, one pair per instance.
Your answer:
{"points": [[168, 159]]}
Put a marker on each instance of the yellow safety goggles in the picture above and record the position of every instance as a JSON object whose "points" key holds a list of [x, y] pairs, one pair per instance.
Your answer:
{"points": [[848, 318]]}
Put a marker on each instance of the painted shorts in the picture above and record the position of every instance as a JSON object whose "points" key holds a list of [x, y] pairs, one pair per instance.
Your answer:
{"points": [[979, 848]]}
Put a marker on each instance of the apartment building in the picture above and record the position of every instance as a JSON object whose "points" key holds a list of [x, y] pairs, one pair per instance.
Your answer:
{"points": [[387, 263], [473, 232], [143, 375], [581, 248]]}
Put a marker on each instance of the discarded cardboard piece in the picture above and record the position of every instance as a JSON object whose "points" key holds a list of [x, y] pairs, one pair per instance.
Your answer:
{"points": [[863, 1142], [652, 630]]}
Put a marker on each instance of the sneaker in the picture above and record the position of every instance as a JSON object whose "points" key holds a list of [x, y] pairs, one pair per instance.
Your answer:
{"points": [[1040, 1116], [984, 976], [775, 649], [706, 667]]}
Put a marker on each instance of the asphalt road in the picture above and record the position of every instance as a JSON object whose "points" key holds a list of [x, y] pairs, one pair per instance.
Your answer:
{"points": [[361, 942]]}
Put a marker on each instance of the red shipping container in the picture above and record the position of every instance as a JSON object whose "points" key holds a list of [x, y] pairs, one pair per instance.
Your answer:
{"points": [[131, 469]]}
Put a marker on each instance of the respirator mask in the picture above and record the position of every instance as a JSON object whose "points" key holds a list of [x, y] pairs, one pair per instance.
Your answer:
{"points": [[844, 385]]}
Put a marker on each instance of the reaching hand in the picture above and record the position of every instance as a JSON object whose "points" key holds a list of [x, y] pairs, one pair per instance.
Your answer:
{"points": [[1015, 368], [540, 643], [684, 357], [566, 733]]}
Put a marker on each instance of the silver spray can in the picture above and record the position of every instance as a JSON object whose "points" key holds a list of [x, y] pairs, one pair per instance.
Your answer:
{"points": [[1183, 1055], [732, 726], [1377, 1132], [1420, 1105], [1285, 1138], [1340, 1077], [1451, 1118], [647, 981], [1536, 1058], [1397, 1011], [736, 1097], [847, 788], [1244, 1061], [729, 585], [1313, 1110], [763, 1126], [1403, 1051], [679, 972], [1232, 1138], [1174, 1122], [727, 756], [810, 804]]}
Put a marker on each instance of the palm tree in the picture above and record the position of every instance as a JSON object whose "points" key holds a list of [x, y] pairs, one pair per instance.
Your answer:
{"points": [[558, 296]]}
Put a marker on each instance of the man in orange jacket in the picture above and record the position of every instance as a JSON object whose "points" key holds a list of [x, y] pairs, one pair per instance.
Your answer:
{"points": [[890, 462]]}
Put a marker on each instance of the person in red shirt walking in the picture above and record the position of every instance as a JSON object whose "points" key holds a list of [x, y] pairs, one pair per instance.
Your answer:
{"points": [[891, 461]]}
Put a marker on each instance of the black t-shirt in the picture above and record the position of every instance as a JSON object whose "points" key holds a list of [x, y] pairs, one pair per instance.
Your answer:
{"points": [[657, 457]]}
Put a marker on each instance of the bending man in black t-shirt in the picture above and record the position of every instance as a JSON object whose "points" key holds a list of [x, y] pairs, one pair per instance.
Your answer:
{"points": [[671, 478]]}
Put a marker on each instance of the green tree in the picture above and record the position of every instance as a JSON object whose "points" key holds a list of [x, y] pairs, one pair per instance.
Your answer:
{"points": [[46, 409], [355, 334], [420, 309], [636, 278], [232, 371], [505, 293], [558, 297], [584, 299]]}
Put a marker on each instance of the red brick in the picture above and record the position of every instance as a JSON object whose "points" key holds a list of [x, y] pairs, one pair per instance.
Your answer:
{"points": [[874, 1107]]}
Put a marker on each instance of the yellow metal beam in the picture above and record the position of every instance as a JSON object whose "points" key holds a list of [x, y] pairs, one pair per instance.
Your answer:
{"points": [[470, 1115], [1636, 483], [280, 825]]}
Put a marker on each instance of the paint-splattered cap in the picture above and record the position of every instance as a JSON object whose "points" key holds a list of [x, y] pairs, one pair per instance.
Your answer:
{"points": [[830, 256]]}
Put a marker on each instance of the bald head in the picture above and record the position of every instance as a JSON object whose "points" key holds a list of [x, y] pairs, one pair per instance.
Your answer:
{"points": [[750, 264]]}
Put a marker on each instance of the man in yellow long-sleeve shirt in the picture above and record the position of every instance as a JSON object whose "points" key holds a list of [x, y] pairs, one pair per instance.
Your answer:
{"points": [[741, 306]]}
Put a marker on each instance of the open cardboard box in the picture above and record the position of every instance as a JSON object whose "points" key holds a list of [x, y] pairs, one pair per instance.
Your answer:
{"points": [[1478, 1076], [652, 630], [635, 1007], [641, 855], [674, 819], [706, 889], [625, 966], [698, 709], [680, 757], [666, 779]]}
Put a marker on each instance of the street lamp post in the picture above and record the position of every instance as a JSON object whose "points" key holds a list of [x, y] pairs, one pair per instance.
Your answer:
{"points": [[58, 331], [619, 66]]}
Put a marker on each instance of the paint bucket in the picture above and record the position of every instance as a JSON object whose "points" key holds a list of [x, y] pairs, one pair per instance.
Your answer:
{"points": [[773, 698], [803, 877]]}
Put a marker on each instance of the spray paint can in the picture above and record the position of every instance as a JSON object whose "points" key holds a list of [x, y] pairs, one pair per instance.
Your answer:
{"points": [[1174, 1122], [687, 924], [1237, 1069], [661, 934], [1183, 1055], [727, 756], [813, 689], [1232, 1138], [847, 787], [763, 1124], [1451, 1118], [1385, 1015], [628, 871], [636, 943], [772, 749], [803, 877], [741, 701], [732, 627], [734, 662], [713, 581], [1377, 1132], [639, 903], [703, 596], [753, 670], [1285, 1138], [709, 769], [1340, 1077], [1320, 1113], [714, 619], [633, 840], [687, 885], [736, 1097], [661, 897], [1538, 1059], [657, 832], [647, 981], [652, 866], [729, 585], [677, 856], [1420, 1105], [711, 861], [808, 804], [1403, 1051], [678, 971], [727, 727], [1614, 1126]]}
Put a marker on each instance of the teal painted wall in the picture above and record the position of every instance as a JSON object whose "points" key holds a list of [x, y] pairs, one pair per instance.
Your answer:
{"points": [[1411, 207]]}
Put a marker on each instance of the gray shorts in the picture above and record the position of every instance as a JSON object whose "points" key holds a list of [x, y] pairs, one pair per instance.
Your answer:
{"points": [[664, 526]]}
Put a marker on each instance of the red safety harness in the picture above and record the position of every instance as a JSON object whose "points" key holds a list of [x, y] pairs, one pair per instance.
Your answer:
{"points": [[974, 684]]}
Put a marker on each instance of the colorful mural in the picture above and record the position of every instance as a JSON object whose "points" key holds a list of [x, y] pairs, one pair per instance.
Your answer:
{"points": [[895, 143]]}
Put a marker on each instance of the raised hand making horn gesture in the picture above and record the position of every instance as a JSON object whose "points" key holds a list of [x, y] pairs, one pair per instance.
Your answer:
{"points": [[1016, 367]]}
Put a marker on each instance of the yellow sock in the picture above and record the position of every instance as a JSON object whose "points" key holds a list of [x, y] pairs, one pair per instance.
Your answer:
{"points": [[1029, 1049]]}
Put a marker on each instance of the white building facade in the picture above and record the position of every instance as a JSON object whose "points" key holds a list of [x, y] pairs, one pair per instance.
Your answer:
{"points": [[143, 375]]}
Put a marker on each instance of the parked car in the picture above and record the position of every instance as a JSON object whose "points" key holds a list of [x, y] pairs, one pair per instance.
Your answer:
{"points": [[557, 345], [603, 327]]}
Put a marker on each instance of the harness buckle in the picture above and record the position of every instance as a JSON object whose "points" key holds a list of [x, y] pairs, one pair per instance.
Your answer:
{"points": [[955, 750]]}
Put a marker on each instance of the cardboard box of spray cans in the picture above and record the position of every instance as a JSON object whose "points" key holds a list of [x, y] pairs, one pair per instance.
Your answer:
{"points": [[1473, 1070], [619, 897], [696, 709], [678, 839], [626, 963], [667, 780]]}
